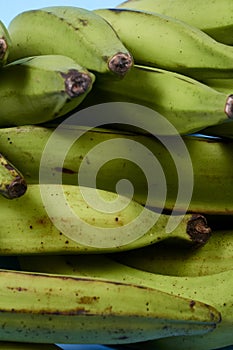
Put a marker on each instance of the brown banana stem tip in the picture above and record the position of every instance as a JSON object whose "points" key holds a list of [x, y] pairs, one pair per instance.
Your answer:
{"points": [[76, 83], [198, 229], [3, 47], [229, 107], [17, 188], [120, 63]]}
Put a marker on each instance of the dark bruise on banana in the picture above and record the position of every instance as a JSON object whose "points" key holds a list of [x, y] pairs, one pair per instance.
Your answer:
{"points": [[12, 183]]}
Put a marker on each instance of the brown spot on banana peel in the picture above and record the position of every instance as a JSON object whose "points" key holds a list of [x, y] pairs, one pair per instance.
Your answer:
{"points": [[120, 63], [229, 107], [198, 229], [76, 83]]}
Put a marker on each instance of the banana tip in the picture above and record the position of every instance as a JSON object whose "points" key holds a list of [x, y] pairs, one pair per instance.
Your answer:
{"points": [[198, 229], [120, 63], [17, 188], [229, 107], [3, 48], [76, 83]]}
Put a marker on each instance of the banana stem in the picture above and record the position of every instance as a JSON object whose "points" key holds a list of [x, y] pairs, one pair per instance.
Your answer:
{"points": [[12, 183]]}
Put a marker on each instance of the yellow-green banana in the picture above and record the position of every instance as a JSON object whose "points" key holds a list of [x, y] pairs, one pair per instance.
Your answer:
{"points": [[169, 258], [43, 221], [187, 104], [212, 190], [72, 31], [12, 182], [5, 44], [10, 345], [51, 308], [215, 290], [220, 84], [40, 88], [165, 42], [218, 22]]}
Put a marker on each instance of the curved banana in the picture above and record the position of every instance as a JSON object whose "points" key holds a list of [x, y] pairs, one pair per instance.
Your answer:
{"points": [[164, 42], [42, 222], [215, 290], [51, 308], [218, 23], [12, 182], [8, 345], [85, 37], [212, 191], [187, 104], [40, 88], [5, 44], [169, 258]]}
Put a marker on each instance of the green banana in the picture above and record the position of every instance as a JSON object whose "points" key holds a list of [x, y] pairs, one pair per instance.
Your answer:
{"points": [[218, 23], [42, 222], [27, 346], [34, 308], [5, 44], [40, 88], [12, 182], [222, 85], [187, 104], [164, 42], [212, 190], [85, 37], [171, 259], [215, 290], [224, 130]]}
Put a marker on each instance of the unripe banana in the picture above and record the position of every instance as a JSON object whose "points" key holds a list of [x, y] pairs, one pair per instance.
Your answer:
{"points": [[72, 31], [212, 191], [216, 290], [40, 88], [187, 104], [5, 345], [5, 44], [165, 42], [169, 258], [51, 308], [218, 23], [34, 229]]}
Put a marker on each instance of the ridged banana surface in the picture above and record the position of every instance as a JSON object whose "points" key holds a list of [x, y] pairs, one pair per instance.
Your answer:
{"points": [[169, 258], [72, 31], [218, 23], [164, 42], [45, 308], [211, 161], [12, 182], [29, 227], [40, 88], [215, 290], [187, 104]]}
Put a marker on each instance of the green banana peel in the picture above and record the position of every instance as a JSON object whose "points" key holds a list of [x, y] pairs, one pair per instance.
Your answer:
{"points": [[95, 311], [212, 189], [89, 40]]}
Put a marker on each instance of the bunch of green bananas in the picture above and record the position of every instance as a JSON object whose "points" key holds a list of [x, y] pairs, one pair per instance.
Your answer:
{"points": [[93, 104]]}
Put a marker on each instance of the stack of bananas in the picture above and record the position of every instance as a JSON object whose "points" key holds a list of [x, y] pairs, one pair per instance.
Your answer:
{"points": [[68, 75]]}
